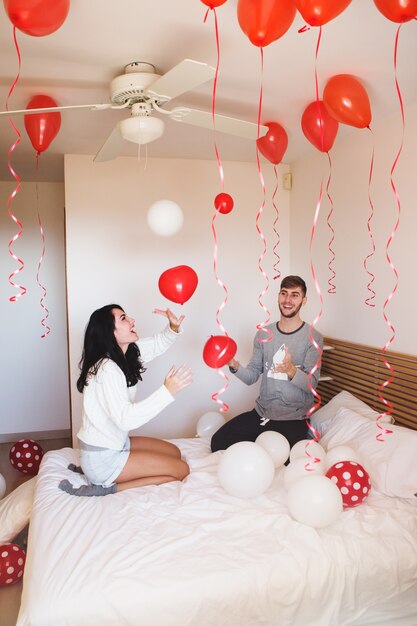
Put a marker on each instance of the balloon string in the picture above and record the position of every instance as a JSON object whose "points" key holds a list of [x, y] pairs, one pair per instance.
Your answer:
{"points": [[261, 327], [278, 258], [219, 282], [369, 299], [313, 324], [41, 301], [386, 431], [214, 94], [22, 289], [332, 286], [215, 397]]}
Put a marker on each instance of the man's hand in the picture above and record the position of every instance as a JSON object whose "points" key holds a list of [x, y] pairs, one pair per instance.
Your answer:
{"points": [[286, 366]]}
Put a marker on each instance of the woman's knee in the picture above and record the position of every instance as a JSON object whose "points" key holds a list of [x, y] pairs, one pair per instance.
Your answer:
{"points": [[183, 470]]}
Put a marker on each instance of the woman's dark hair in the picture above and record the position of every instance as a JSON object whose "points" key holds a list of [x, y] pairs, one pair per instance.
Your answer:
{"points": [[100, 343]]}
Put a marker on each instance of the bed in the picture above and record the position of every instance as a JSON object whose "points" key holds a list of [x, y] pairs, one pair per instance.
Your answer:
{"points": [[190, 554]]}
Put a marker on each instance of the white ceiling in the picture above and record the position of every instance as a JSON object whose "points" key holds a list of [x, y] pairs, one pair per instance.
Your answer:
{"points": [[75, 65]]}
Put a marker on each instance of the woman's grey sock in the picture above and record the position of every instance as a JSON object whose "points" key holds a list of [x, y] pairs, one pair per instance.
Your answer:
{"points": [[75, 468], [86, 490]]}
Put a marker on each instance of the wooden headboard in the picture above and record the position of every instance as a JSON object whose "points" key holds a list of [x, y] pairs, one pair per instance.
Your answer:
{"points": [[361, 370]]}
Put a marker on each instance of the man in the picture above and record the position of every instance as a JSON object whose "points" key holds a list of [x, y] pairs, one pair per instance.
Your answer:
{"points": [[285, 361]]}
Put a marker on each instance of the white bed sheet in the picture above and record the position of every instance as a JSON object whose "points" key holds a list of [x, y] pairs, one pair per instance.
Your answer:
{"points": [[190, 554]]}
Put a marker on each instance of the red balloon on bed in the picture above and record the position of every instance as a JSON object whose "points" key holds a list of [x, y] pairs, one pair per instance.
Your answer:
{"points": [[12, 564], [353, 482], [26, 455]]}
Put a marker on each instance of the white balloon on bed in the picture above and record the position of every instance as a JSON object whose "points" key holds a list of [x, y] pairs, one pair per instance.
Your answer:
{"points": [[2, 486], [301, 467], [315, 501], [340, 453], [245, 470], [276, 445], [209, 423], [307, 447]]}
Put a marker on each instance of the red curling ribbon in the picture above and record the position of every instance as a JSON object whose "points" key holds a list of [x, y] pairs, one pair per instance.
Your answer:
{"points": [[42, 299], [215, 396], [278, 258], [369, 299], [315, 321], [17, 188], [384, 430], [258, 216], [332, 286]]}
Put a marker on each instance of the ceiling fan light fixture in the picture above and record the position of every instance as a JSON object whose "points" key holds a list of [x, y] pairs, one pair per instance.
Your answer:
{"points": [[141, 130]]}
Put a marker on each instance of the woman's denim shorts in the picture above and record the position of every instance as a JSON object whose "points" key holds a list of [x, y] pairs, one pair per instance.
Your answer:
{"points": [[102, 465]]}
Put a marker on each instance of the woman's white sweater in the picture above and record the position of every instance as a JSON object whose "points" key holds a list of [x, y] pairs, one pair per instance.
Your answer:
{"points": [[109, 410]]}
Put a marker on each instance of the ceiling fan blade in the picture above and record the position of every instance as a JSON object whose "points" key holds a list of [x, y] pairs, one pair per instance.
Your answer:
{"points": [[181, 78], [112, 147], [224, 124], [93, 107]]}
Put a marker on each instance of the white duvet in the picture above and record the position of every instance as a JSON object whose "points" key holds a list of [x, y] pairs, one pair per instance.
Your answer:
{"points": [[185, 554]]}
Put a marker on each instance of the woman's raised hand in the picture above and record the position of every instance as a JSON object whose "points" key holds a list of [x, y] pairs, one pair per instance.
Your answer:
{"points": [[178, 378], [174, 321]]}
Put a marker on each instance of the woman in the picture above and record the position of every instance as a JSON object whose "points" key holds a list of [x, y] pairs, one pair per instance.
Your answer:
{"points": [[111, 366]]}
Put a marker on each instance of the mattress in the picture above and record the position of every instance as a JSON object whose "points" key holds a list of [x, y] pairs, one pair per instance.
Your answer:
{"points": [[190, 554]]}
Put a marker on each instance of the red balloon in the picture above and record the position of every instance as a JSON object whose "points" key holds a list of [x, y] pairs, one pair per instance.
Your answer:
{"points": [[26, 455], [12, 564], [42, 128], [223, 203], [264, 21], [347, 101], [178, 283], [353, 482], [319, 12], [318, 126], [397, 10], [212, 4], [37, 17], [219, 350], [274, 144]]}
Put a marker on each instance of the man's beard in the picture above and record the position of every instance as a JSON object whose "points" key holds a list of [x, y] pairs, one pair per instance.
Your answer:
{"points": [[292, 314]]}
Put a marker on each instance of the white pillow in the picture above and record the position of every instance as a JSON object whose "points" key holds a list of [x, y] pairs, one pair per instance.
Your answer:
{"points": [[391, 464], [15, 510], [322, 418]]}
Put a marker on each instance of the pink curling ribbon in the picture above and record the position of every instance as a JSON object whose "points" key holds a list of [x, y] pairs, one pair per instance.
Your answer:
{"points": [[215, 396], [41, 301], [332, 286], [369, 299], [278, 258], [22, 289], [314, 342], [384, 430], [258, 216]]}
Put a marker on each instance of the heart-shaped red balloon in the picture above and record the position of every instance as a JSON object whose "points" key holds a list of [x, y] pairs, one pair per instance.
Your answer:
{"points": [[178, 283], [274, 144], [219, 350], [319, 127]]}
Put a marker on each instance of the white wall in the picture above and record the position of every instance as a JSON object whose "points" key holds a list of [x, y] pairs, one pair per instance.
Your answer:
{"points": [[112, 256], [33, 371], [345, 314]]}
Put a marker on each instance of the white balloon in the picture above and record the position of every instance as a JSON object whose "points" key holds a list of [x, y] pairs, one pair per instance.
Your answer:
{"points": [[245, 470], [165, 218], [209, 423], [300, 449], [276, 445], [314, 501], [299, 468], [340, 453], [2, 486]]}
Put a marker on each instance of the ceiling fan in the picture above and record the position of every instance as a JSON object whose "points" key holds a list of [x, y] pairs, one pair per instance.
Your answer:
{"points": [[141, 90]]}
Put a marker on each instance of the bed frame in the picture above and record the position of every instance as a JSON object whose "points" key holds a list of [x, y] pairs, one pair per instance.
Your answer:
{"points": [[361, 370]]}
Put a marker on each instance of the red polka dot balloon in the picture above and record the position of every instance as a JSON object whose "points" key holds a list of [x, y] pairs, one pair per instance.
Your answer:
{"points": [[26, 455], [353, 482], [12, 564]]}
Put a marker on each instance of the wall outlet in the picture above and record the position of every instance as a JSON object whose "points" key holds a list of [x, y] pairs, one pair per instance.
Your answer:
{"points": [[287, 181]]}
